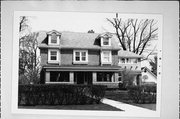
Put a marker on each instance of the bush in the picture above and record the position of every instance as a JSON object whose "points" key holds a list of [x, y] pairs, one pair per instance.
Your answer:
{"points": [[60, 94], [142, 94], [122, 86]]}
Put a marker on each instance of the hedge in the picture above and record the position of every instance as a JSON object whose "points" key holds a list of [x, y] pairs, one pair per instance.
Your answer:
{"points": [[142, 94], [60, 94]]}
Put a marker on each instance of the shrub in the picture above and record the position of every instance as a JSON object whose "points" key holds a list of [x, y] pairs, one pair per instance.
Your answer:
{"points": [[60, 94], [142, 94]]}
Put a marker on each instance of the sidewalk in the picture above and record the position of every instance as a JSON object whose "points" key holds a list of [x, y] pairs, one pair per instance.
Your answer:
{"points": [[124, 106]]}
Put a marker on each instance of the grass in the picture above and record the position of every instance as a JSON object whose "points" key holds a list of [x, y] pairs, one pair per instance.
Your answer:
{"points": [[122, 96], [100, 107], [148, 106]]}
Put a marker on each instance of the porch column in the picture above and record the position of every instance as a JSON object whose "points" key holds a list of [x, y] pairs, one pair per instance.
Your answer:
{"points": [[71, 77], [112, 78], [47, 77], [116, 75], [94, 77]]}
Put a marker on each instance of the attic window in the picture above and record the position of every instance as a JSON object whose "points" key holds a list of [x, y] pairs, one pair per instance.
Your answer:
{"points": [[53, 39], [105, 41]]}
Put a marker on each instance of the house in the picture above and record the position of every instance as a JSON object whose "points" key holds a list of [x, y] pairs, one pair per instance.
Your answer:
{"points": [[131, 64], [84, 58], [148, 77]]}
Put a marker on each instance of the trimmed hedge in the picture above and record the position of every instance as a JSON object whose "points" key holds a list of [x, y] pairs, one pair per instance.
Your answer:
{"points": [[60, 94], [142, 94]]}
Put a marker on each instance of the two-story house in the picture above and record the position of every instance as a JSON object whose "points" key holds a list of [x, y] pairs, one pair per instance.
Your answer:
{"points": [[131, 64], [82, 58]]}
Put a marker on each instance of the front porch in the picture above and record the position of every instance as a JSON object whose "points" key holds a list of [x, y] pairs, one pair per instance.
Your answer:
{"points": [[110, 76], [110, 79], [100, 75]]}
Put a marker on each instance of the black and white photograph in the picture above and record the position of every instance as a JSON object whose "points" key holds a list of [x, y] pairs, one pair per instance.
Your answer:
{"points": [[89, 59], [85, 61]]}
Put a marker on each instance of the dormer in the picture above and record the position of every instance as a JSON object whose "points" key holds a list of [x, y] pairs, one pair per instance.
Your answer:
{"points": [[53, 37], [105, 39]]}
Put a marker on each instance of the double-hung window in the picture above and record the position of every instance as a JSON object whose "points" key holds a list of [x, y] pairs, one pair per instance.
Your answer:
{"points": [[53, 56], [106, 57], [80, 56]]}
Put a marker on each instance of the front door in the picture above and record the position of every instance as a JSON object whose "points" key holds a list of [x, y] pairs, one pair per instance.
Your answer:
{"points": [[83, 77]]}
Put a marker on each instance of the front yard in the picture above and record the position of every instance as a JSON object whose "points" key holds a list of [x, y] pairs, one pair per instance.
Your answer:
{"points": [[122, 96]]}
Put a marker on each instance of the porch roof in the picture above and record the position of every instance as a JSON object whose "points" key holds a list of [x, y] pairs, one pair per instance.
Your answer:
{"points": [[83, 68]]}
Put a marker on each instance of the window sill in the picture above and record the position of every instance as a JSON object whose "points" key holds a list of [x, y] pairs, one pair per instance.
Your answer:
{"points": [[106, 62], [53, 44], [75, 62], [105, 45], [53, 62]]}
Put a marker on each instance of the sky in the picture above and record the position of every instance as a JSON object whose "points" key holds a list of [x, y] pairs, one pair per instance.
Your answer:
{"points": [[72, 21]]}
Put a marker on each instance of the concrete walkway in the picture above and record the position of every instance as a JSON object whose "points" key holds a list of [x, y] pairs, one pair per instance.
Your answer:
{"points": [[124, 106]]}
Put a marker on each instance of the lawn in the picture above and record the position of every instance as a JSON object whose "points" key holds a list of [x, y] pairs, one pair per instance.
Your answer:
{"points": [[122, 96], [100, 107]]}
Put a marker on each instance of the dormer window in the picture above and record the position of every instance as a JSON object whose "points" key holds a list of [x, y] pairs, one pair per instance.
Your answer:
{"points": [[106, 42], [53, 38], [105, 39]]}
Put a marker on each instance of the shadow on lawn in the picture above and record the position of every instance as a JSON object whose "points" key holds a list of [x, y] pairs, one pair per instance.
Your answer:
{"points": [[100, 107]]}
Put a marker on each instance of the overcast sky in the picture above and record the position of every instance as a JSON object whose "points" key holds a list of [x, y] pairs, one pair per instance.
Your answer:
{"points": [[72, 21]]}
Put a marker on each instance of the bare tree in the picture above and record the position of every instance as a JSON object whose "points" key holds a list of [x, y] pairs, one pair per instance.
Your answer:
{"points": [[28, 59], [135, 35]]}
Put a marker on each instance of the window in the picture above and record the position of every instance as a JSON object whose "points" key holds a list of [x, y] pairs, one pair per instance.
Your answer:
{"points": [[80, 56], [120, 77], [128, 61], [53, 56], [134, 60], [105, 41], [122, 60], [104, 77], [77, 55], [53, 39], [59, 76], [106, 57]]}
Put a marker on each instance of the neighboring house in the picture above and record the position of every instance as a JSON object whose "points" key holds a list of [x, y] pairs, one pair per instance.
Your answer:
{"points": [[131, 63], [84, 58], [148, 77]]}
